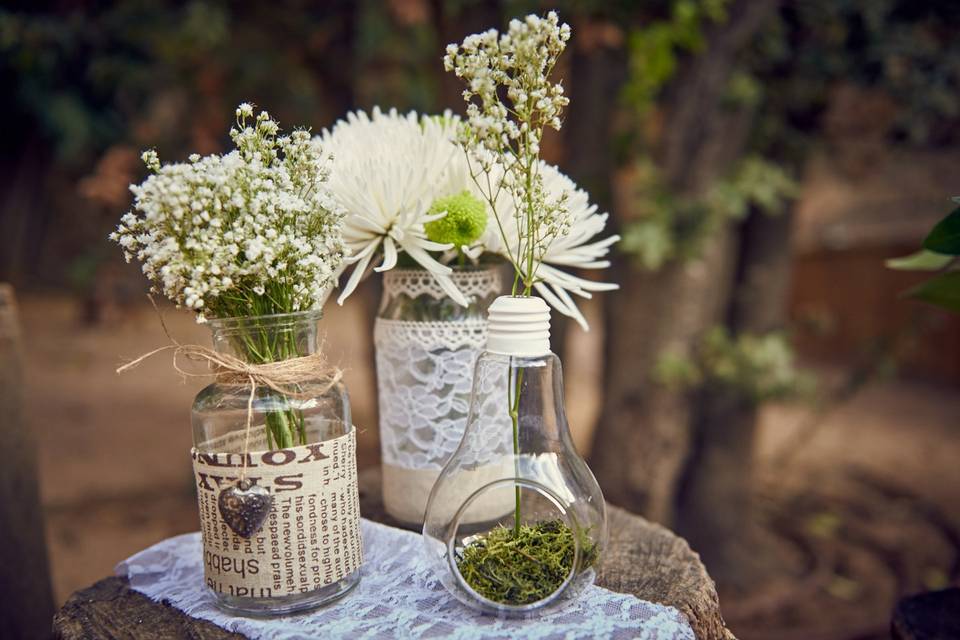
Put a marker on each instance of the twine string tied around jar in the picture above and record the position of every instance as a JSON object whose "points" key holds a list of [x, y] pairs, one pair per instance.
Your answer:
{"points": [[297, 378]]}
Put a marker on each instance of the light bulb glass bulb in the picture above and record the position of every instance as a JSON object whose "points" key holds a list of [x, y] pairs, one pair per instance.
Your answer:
{"points": [[515, 489]]}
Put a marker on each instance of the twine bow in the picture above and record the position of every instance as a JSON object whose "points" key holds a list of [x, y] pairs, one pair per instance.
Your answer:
{"points": [[299, 378]]}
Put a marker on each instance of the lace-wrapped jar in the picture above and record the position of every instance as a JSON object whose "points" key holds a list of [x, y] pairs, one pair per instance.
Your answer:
{"points": [[426, 345]]}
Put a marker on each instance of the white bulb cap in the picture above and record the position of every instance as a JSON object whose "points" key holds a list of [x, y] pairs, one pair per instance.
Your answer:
{"points": [[518, 326]]}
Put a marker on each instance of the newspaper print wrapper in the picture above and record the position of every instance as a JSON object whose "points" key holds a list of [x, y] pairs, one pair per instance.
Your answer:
{"points": [[310, 538]]}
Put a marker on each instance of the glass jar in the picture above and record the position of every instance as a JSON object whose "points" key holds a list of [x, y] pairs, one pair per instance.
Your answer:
{"points": [[426, 345], [299, 445], [516, 479]]}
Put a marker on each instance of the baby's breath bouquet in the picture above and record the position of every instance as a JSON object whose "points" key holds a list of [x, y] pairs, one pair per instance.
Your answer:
{"points": [[250, 233]]}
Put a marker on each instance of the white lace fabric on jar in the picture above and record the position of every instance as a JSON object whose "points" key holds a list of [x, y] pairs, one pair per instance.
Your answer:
{"points": [[426, 347]]}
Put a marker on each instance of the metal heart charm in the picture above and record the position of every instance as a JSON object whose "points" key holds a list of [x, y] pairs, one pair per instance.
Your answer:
{"points": [[244, 506]]}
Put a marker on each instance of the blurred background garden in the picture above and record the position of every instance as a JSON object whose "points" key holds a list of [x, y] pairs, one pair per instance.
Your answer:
{"points": [[759, 384]]}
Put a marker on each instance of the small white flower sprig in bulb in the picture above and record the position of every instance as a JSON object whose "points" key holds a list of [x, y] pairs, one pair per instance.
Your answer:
{"points": [[252, 232], [541, 216], [507, 137]]}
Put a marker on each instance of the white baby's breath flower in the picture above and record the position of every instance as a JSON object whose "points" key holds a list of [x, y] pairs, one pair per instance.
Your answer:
{"points": [[250, 232], [502, 138], [389, 169], [543, 220]]}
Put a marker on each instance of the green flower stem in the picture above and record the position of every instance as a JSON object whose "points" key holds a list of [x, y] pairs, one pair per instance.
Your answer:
{"points": [[514, 409], [285, 427]]}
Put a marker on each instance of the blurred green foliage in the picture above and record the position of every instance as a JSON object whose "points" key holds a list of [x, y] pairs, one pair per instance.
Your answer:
{"points": [[904, 50], [162, 73], [655, 48], [407, 60], [91, 84], [758, 368], [673, 226]]}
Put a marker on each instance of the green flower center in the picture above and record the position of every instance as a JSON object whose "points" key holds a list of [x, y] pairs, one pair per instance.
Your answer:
{"points": [[464, 223]]}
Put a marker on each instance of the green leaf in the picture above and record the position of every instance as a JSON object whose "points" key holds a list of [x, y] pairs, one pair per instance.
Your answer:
{"points": [[922, 260], [945, 237], [942, 290]]}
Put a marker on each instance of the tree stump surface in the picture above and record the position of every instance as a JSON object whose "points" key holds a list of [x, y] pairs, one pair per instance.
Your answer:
{"points": [[111, 609], [642, 558]]}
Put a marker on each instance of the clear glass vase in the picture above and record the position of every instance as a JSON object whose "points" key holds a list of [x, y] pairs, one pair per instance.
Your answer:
{"points": [[300, 446], [516, 521], [426, 345]]}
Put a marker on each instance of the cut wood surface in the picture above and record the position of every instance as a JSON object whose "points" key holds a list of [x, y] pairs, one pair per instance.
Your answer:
{"points": [[111, 609], [643, 559], [27, 602]]}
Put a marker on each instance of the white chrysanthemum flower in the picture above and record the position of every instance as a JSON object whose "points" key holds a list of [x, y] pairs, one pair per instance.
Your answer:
{"points": [[388, 170], [574, 249]]}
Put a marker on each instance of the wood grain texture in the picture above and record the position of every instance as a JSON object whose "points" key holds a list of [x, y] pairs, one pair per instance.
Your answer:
{"points": [[27, 603], [654, 564], [643, 558], [111, 609]]}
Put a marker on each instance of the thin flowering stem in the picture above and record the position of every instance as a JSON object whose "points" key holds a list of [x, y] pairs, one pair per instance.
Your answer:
{"points": [[491, 200], [505, 138], [505, 135]]}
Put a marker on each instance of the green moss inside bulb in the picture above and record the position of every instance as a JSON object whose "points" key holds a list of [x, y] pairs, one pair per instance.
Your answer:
{"points": [[523, 567], [464, 223]]}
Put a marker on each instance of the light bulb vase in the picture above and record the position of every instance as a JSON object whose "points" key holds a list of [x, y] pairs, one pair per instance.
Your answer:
{"points": [[516, 521]]}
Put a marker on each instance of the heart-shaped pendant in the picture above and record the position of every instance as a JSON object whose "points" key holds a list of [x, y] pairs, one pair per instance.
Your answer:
{"points": [[244, 506]]}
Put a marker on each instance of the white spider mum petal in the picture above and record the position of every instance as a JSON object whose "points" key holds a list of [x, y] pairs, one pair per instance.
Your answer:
{"points": [[388, 169], [576, 249]]}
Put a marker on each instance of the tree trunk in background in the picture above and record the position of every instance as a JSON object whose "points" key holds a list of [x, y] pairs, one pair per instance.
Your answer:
{"points": [[597, 72], [644, 436], [22, 181], [598, 68], [26, 607], [715, 502]]}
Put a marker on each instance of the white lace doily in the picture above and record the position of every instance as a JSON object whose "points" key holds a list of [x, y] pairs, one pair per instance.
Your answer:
{"points": [[397, 598], [473, 283]]}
